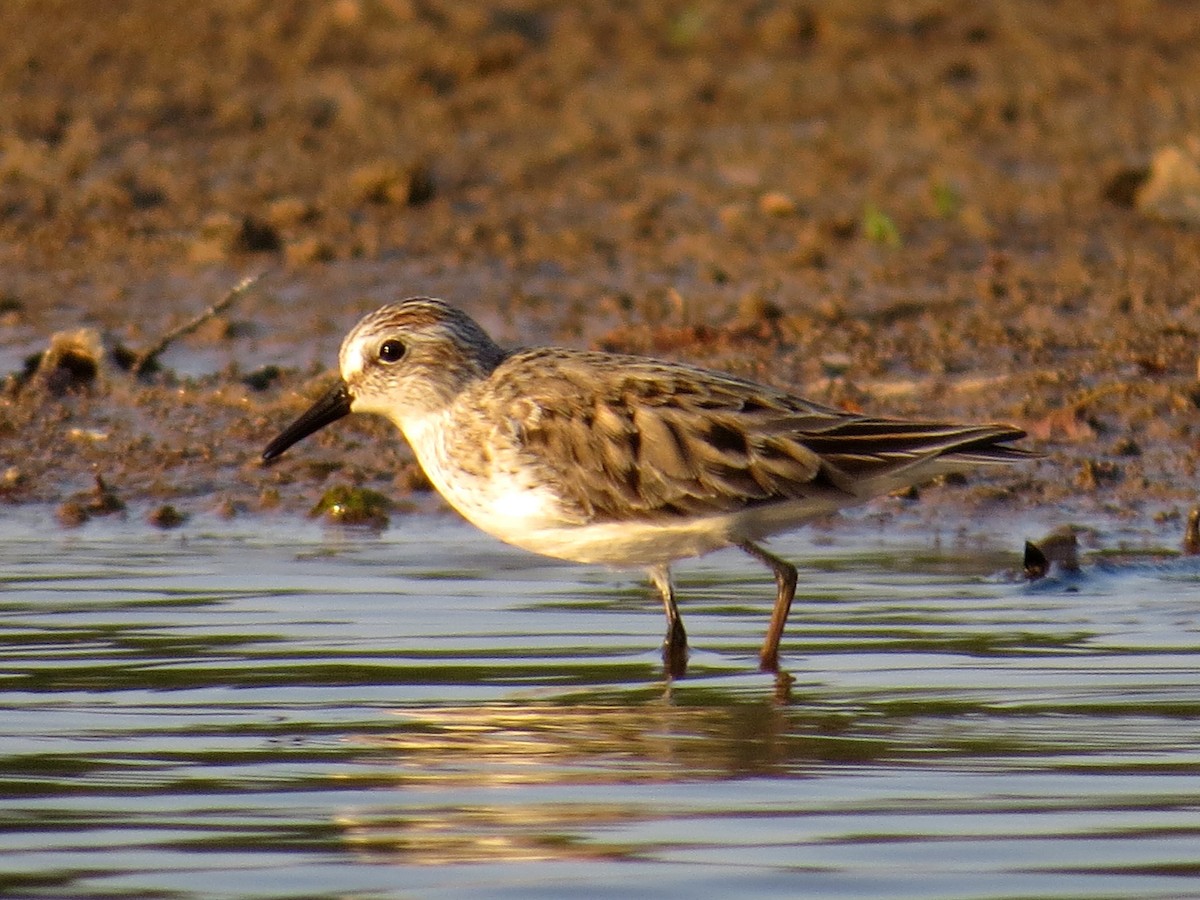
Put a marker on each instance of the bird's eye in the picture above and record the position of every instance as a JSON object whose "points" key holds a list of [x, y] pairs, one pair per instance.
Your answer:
{"points": [[391, 351]]}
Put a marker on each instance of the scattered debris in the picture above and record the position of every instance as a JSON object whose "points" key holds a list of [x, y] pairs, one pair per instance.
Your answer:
{"points": [[1094, 472], [71, 363], [101, 500], [77, 360], [148, 357]]}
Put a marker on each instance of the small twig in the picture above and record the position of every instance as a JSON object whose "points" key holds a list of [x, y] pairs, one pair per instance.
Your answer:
{"points": [[147, 356]]}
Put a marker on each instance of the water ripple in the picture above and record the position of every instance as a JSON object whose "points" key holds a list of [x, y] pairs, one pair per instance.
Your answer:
{"points": [[290, 712]]}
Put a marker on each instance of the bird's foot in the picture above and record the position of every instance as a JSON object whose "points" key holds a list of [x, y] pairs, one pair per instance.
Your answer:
{"points": [[768, 661], [675, 651]]}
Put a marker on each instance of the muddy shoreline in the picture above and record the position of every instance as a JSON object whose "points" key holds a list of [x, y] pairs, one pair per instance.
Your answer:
{"points": [[911, 209]]}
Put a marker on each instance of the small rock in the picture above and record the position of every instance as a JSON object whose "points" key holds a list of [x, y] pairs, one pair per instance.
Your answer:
{"points": [[1092, 472], [166, 516], [1191, 534], [1127, 447], [785, 30], [1172, 192], [287, 212], [777, 203], [104, 500], [414, 479], [228, 508], [353, 506], [262, 378], [390, 182], [72, 362], [99, 501], [309, 250], [1123, 187], [71, 514], [1058, 548], [256, 236], [809, 252], [755, 307], [12, 311]]}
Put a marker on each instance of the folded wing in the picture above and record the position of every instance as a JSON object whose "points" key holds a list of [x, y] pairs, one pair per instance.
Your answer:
{"points": [[654, 441]]}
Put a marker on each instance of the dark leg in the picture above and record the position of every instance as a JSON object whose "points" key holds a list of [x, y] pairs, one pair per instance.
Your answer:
{"points": [[675, 645], [785, 581]]}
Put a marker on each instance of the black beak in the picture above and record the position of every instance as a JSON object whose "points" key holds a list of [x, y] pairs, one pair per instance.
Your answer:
{"points": [[329, 408]]}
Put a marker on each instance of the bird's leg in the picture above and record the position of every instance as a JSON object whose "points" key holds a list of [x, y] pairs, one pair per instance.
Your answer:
{"points": [[785, 580], [675, 646]]}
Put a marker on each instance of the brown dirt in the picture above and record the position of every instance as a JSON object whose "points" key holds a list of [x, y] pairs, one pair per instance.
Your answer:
{"points": [[916, 208]]}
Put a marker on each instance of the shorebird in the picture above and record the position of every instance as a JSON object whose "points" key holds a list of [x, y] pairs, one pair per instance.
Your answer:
{"points": [[624, 460]]}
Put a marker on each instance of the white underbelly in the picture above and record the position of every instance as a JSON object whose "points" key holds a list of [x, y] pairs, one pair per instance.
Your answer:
{"points": [[505, 501]]}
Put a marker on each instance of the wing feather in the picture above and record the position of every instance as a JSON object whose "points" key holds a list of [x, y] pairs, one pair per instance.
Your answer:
{"points": [[631, 438]]}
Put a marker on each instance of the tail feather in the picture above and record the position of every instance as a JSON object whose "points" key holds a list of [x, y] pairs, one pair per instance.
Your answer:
{"points": [[866, 447]]}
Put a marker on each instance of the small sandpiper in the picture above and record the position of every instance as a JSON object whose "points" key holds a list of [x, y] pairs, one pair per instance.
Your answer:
{"points": [[623, 460]]}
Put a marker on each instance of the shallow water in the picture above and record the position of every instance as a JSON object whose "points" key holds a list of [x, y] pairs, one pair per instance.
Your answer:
{"points": [[267, 710]]}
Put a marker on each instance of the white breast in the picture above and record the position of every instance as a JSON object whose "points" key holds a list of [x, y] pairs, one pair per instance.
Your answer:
{"points": [[492, 491]]}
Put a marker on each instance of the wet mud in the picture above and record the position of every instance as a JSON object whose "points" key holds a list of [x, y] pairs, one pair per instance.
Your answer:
{"points": [[947, 210]]}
